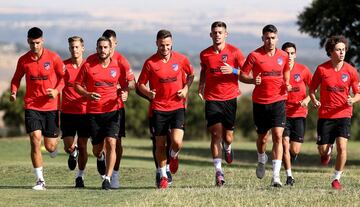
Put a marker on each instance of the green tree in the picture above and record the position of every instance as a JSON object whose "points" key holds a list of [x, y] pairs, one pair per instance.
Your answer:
{"points": [[14, 112], [324, 18]]}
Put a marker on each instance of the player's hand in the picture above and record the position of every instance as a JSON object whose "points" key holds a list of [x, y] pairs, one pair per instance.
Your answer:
{"points": [[350, 100], [316, 103], [201, 92], [226, 69], [152, 94], [94, 96], [12, 97], [288, 87], [124, 95], [52, 93], [182, 93], [258, 79], [304, 103]]}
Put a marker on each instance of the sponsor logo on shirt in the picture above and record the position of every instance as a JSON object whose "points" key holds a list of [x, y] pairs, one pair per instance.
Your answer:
{"points": [[168, 79], [224, 58], [335, 88], [175, 66], [214, 70], [113, 73], [297, 77], [280, 61], [47, 65], [344, 77], [272, 73], [104, 84], [38, 77]]}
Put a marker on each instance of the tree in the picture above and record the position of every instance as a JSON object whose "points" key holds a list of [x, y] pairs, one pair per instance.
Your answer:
{"points": [[324, 18], [14, 112]]}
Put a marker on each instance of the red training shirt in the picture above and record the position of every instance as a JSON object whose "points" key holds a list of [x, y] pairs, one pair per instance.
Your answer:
{"points": [[218, 86], [40, 75], [335, 89]]}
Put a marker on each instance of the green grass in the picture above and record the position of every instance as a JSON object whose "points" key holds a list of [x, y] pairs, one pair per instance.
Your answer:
{"points": [[193, 183]]}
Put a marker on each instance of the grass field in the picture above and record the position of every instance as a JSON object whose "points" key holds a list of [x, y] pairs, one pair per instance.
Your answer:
{"points": [[193, 184]]}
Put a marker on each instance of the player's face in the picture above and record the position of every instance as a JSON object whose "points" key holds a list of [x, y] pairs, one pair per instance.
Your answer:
{"points": [[36, 45], [103, 49], [270, 40], [164, 46], [76, 49], [291, 53], [338, 54], [218, 35]]}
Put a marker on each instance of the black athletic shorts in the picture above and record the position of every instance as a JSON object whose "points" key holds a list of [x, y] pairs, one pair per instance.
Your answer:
{"points": [[46, 121], [74, 124], [329, 129], [267, 116], [122, 122], [295, 129], [165, 120], [103, 125], [221, 112]]}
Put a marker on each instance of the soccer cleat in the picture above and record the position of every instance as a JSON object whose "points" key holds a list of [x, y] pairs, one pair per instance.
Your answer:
{"points": [[325, 159], [260, 169], [174, 164], [168, 173], [54, 153], [73, 160], [229, 155], [101, 166], [336, 184], [276, 183], [163, 183], [115, 184], [79, 182], [219, 179], [40, 185], [106, 184], [290, 181], [157, 179]]}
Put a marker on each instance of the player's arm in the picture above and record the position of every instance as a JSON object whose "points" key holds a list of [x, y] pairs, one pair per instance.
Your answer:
{"points": [[15, 81], [201, 86], [245, 75], [315, 81], [59, 72], [142, 81], [307, 81], [355, 88]]}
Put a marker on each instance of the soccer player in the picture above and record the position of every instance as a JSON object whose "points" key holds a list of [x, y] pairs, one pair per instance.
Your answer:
{"points": [[98, 81], [44, 71], [125, 85], [270, 74], [296, 110], [335, 78], [73, 112], [170, 76], [219, 87]]}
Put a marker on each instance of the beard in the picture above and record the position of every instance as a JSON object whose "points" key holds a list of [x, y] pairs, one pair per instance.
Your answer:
{"points": [[103, 56]]}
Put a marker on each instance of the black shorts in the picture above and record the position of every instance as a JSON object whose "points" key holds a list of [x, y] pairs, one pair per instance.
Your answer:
{"points": [[267, 116], [74, 124], [103, 125], [221, 112], [329, 129], [122, 122], [165, 120], [295, 129], [46, 121]]}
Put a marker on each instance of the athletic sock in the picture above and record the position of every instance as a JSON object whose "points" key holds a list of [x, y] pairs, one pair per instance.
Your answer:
{"points": [[107, 178], [288, 173], [337, 175], [115, 173], [262, 158], [217, 164], [227, 147], [173, 154], [276, 168], [80, 173], [39, 173], [163, 172]]}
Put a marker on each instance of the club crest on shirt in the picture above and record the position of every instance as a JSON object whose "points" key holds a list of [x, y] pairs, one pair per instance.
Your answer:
{"points": [[175, 67], [113, 73], [47, 65], [224, 58], [280, 61], [297, 77], [344, 77]]}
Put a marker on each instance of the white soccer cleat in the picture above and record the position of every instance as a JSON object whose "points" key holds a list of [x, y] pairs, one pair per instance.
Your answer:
{"points": [[40, 185]]}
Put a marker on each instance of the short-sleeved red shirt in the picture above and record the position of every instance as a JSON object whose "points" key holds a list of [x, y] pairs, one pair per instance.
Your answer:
{"points": [[103, 81], [272, 88], [335, 89], [166, 78], [42, 74], [300, 78], [72, 102], [218, 86]]}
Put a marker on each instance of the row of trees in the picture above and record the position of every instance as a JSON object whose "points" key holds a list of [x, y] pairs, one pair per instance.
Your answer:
{"points": [[195, 128]]}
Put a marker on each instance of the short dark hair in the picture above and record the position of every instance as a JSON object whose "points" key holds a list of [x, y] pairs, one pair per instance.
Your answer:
{"points": [[287, 45], [102, 38], [332, 41], [218, 24], [162, 34], [75, 38], [269, 28], [109, 33], [35, 33]]}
